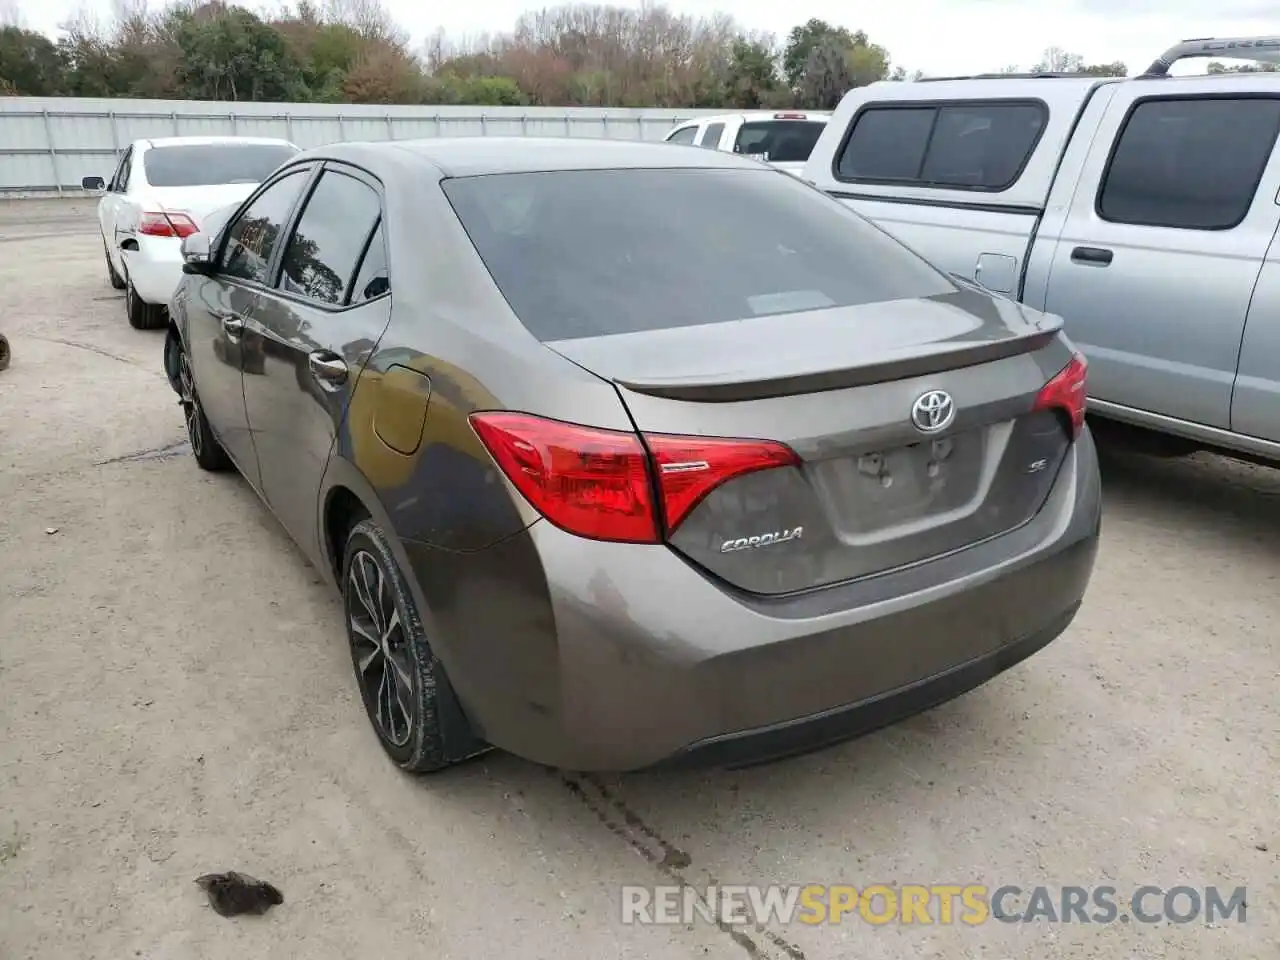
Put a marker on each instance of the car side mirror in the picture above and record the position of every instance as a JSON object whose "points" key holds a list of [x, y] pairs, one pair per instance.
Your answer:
{"points": [[93, 183], [195, 254]]}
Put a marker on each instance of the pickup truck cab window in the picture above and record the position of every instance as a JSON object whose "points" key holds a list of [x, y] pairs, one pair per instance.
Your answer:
{"points": [[963, 146], [1190, 163], [683, 135], [783, 141], [711, 136]]}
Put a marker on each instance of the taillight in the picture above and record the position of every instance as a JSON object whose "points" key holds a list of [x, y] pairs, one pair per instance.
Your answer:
{"points": [[594, 483], [1066, 392], [600, 483], [688, 468], [159, 223]]}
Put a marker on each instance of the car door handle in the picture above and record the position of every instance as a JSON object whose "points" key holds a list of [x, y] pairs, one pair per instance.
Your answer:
{"points": [[1098, 255], [233, 326], [327, 368]]}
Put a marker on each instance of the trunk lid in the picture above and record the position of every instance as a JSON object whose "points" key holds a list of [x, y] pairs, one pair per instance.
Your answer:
{"points": [[198, 202], [874, 492]]}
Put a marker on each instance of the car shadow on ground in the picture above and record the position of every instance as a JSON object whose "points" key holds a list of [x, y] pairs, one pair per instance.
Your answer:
{"points": [[1201, 493]]}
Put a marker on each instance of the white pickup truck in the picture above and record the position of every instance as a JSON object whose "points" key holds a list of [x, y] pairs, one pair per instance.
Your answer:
{"points": [[1142, 210], [784, 139]]}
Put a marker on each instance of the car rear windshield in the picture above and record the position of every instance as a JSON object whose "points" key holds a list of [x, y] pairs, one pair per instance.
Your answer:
{"points": [[595, 252], [779, 141], [202, 165]]}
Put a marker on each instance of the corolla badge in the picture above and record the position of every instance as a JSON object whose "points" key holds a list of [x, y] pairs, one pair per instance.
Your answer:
{"points": [[762, 540], [933, 411]]}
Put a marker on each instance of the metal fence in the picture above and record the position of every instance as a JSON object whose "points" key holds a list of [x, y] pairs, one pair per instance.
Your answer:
{"points": [[47, 144]]}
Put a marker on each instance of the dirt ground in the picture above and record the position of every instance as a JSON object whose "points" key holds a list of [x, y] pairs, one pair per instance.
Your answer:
{"points": [[176, 698]]}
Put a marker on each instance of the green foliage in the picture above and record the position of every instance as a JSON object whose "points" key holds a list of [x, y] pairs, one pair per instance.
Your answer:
{"points": [[349, 51], [1116, 69], [801, 43], [827, 73], [753, 74], [233, 55], [1216, 67], [31, 63]]}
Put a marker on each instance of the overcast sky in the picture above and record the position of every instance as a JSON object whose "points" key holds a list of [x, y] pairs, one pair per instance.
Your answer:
{"points": [[939, 37]]}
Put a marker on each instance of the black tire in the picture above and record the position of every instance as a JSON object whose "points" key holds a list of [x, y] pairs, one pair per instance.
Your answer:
{"points": [[204, 445], [4, 352], [142, 315], [117, 281], [377, 604]]}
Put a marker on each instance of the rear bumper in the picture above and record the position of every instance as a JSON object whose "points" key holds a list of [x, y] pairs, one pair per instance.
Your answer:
{"points": [[749, 747], [155, 268], [598, 656]]}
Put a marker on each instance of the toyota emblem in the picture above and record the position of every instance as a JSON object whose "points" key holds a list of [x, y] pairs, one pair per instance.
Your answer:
{"points": [[933, 411]]}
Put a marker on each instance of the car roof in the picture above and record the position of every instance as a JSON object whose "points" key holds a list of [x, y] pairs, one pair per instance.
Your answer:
{"points": [[210, 141], [484, 156], [751, 116]]}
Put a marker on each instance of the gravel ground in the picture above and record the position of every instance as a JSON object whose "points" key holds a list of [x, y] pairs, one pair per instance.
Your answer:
{"points": [[176, 697]]}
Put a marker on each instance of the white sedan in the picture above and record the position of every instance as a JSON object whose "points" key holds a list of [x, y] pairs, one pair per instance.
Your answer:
{"points": [[161, 190]]}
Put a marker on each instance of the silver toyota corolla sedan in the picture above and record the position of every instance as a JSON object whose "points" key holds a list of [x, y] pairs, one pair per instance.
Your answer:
{"points": [[625, 454]]}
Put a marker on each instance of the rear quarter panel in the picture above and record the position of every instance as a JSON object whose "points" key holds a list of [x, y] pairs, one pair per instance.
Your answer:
{"points": [[451, 326]]}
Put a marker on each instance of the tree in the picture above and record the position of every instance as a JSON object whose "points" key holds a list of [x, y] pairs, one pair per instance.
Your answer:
{"points": [[868, 62], [1116, 69], [753, 74], [827, 75], [801, 42], [382, 75], [1217, 67], [30, 63], [230, 54], [1057, 60]]}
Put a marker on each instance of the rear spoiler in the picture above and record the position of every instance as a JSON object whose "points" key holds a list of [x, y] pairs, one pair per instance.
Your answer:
{"points": [[1258, 49], [731, 388]]}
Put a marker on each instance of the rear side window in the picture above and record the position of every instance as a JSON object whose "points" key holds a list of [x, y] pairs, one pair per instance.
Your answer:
{"points": [[778, 141], [1189, 163], [711, 136], [751, 243], [202, 165], [331, 234], [373, 279], [683, 135], [963, 146]]}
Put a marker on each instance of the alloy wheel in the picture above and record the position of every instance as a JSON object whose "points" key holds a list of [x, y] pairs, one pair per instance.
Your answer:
{"points": [[190, 405], [384, 665]]}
